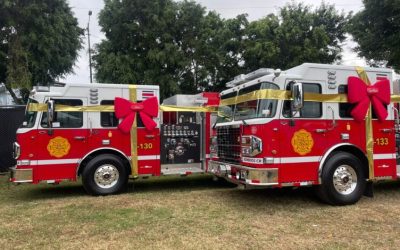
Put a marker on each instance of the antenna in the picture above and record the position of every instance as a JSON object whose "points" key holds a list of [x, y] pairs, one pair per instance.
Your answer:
{"points": [[90, 52]]}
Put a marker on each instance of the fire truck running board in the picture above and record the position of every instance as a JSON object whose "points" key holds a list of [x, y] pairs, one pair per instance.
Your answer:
{"points": [[181, 169]]}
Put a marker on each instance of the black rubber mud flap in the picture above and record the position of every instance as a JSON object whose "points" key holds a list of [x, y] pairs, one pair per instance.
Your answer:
{"points": [[369, 189]]}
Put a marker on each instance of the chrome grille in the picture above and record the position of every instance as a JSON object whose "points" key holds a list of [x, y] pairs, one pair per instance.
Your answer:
{"points": [[228, 139]]}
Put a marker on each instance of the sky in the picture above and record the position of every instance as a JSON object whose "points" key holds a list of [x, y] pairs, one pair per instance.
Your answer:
{"points": [[255, 9]]}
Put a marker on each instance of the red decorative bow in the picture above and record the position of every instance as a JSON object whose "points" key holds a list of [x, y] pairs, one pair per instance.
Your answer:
{"points": [[362, 94], [126, 110]]}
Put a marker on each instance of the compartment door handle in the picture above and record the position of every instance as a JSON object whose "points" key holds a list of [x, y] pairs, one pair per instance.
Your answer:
{"points": [[79, 138], [386, 130]]}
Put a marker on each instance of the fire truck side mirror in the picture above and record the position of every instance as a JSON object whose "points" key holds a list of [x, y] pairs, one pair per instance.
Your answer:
{"points": [[298, 96], [50, 113]]}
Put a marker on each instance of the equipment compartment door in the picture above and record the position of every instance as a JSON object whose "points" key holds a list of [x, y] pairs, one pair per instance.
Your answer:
{"points": [[180, 144], [384, 149], [148, 144], [181, 147]]}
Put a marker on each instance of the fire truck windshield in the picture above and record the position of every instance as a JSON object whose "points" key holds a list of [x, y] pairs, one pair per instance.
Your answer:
{"points": [[225, 112], [263, 108], [30, 116]]}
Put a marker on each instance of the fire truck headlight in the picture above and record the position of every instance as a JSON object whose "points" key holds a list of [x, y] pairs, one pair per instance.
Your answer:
{"points": [[241, 175], [246, 151], [213, 146], [17, 150], [251, 145], [238, 175], [246, 140], [256, 146]]}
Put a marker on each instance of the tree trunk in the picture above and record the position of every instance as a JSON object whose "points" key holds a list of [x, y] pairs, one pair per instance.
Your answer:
{"points": [[13, 95], [195, 75]]}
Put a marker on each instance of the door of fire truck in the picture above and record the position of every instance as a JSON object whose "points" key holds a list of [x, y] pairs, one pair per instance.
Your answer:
{"points": [[58, 146], [303, 136]]}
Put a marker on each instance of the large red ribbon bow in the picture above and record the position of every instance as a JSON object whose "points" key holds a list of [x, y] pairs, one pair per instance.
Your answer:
{"points": [[362, 94], [126, 110]]}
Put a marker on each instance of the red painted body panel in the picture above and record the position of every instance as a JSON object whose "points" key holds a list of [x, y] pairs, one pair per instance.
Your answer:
{"points": [[34, 147], [118, 140], [146, 137], [55, 173], [277, 138], [84, 141], [384, 143], [298, 172], [212, 98]]}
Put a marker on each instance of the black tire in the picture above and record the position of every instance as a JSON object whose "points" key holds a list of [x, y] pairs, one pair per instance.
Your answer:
{"points": [[112, 175], [343, 180]]}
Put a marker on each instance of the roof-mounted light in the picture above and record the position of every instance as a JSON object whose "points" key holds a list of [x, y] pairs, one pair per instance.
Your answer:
{"points": [[58, 84], [250, 76], [42, 88], [236, 81], [201, 101]]}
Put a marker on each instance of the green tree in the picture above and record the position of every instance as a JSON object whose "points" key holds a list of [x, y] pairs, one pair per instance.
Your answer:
{"points": [[262, 43], [182, 47], [40, 42], [17, 69], [225, 53], [212, 47], [297, 34], [177, 45], [139, 47], [188, 31], [376, 29]]}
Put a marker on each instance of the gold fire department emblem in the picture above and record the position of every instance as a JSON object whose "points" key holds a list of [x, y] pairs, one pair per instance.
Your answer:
{"points": [[302, 142], [58, 147]]}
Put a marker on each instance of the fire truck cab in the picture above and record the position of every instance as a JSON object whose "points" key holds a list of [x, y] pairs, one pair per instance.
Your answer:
{"points": [[54, 146], [266, 136]]}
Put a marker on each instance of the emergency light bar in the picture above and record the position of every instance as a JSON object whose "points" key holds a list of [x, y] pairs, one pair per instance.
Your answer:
{"points": [[201, 101], [250, 76], [42, 88], [46, 88]]}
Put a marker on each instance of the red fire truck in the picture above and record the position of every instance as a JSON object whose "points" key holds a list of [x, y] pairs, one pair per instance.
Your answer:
{"points": [[106, 133], [335, 127]]}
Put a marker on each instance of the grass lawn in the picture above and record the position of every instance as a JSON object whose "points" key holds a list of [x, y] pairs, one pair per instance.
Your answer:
{"points": [[193, 213]]}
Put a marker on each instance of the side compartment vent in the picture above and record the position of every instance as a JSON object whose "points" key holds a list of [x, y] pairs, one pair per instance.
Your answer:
{"points": [[94, 96]]}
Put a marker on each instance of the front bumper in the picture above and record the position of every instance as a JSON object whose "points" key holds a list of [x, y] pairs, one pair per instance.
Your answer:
{"points": [[238, 174], [21, 175]]}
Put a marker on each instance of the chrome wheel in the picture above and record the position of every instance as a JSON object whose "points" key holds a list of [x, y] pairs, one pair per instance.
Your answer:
{"points": [[106, 176], [345, 179]]}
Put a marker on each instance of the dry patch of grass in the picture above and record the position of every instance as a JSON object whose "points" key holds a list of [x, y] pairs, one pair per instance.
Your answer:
{"points": [[193, 213]]}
